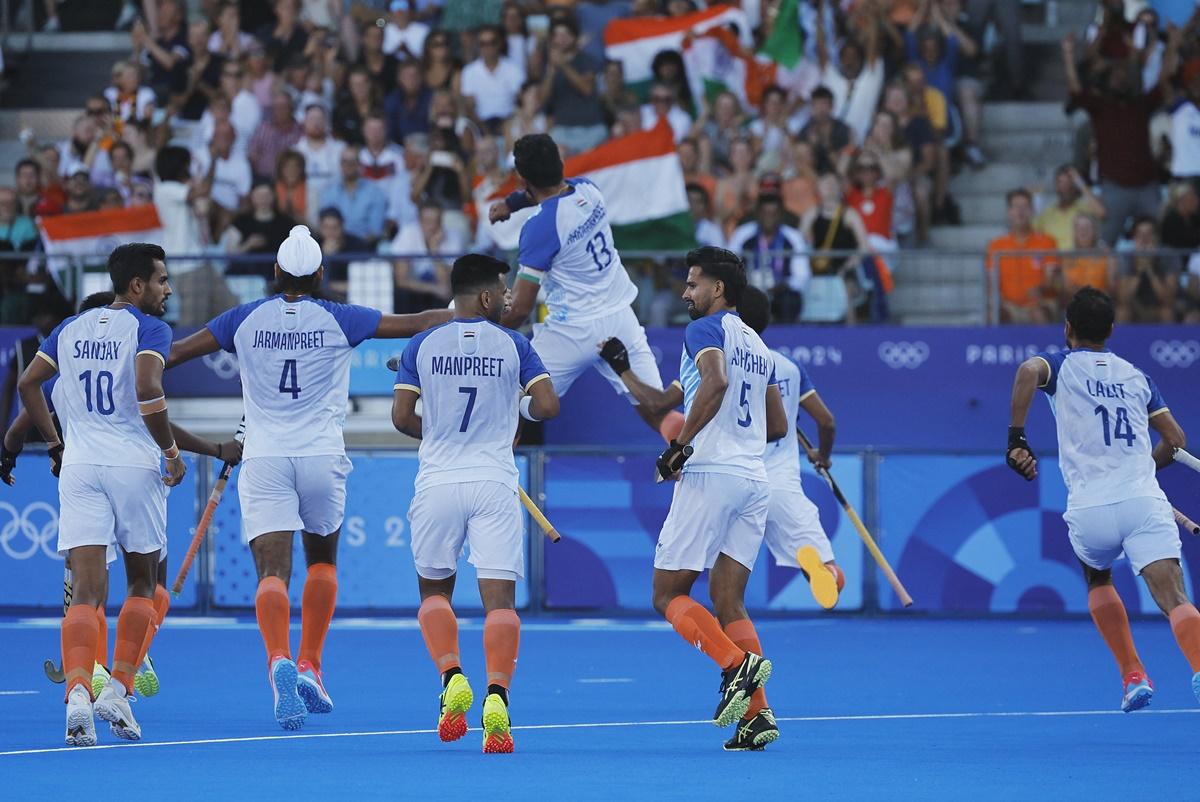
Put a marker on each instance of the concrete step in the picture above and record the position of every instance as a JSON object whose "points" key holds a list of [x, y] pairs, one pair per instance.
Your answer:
{"points": [[47, 124], [964, 239], [998, 178], [57, 79], [74, 41], [1026, 116], [1032, 147], [982, 209]]}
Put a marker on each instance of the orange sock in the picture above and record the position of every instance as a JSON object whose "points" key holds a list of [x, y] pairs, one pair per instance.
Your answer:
{"points": [[162, 603], [698, 627], [274, 615], [743, 634], [1185, 623], [137, 616], [501, 638], [837, 574], [439, 627], [671, 426], [101, 636], [1108, 612], [316, 611], [80, 628]]}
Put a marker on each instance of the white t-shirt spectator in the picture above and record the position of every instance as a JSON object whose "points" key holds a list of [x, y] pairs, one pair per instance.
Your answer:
{"points": [[1185, 139], [680, 121], [854, 102], [70, 163], [245, 114], [411, 37], [320, 166], [181, 229], [231, 178], [709, 233], [495, 90], [387, 171], [411, 240], [244, 41]]}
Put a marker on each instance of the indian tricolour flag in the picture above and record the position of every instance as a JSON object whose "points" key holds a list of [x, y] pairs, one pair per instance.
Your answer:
{"points": [[716, 62], [89, 234], [635, 41], [642, 182]]}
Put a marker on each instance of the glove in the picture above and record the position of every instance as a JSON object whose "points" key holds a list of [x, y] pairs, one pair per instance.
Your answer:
{"points": [[613, 352], [1016, 439], [56, 454], [670, 462], [8, 461]]}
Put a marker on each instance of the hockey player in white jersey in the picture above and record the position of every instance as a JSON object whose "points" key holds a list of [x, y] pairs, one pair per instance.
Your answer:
{"points": [[294, 358], [567, 249], [473, 376], [1104, 409], [111, 404]]}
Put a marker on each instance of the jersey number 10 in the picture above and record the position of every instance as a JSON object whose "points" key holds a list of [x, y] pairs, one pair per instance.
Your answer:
{"points": [[1122, 421], [103, 393]]}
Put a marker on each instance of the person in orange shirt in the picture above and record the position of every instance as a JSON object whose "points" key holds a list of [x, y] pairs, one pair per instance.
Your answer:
{"points": [[1090, 269], [1025, 260]]}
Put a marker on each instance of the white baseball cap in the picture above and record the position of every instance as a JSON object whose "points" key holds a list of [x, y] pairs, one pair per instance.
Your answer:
{"points": [[299, 255]]}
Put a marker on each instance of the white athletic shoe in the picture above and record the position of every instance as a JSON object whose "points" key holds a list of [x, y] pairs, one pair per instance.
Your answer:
{"points": [[81, 726], [112, 705]]}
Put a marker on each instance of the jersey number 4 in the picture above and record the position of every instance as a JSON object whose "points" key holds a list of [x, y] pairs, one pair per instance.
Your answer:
{"points": [[102, 392], [1121, 430], [287, 379]]}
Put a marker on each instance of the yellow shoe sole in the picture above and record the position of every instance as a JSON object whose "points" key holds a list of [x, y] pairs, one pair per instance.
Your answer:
{"points": [[820, 578]]}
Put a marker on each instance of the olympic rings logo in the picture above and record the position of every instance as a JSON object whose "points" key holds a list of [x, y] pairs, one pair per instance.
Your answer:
{"points": [[222, 363], [1175, 353], [902, 354], [22, 536]]}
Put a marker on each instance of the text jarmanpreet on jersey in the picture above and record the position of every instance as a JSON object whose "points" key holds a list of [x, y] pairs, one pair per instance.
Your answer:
{"points": [[470, 375], [1102, 406], [782, 457], [568, 247], [96, 396], [294, 360], [733, 441]]}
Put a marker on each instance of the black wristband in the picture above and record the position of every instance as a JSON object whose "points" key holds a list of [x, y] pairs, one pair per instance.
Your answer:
{"points": [[1016, 439]]}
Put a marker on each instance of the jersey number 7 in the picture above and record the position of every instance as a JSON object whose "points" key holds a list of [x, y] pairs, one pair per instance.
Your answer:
{"points": [[287, 379]]}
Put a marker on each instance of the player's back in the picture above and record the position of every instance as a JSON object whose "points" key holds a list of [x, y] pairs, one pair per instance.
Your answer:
{"points": [[294, 359], [470, 374], [782, 457], [96, 398], [733, 441], [571, 241], [1102, 406]]}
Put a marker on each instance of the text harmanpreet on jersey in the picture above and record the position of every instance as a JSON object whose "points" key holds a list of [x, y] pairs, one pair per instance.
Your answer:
{"points": [[471, 374], [568, 247], [96, 397], [1102, 405], [294, 359], [782, 457], [732, 442]]}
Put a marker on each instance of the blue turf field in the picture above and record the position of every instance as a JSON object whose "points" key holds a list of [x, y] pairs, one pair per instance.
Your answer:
{"points": [[869, 709]]}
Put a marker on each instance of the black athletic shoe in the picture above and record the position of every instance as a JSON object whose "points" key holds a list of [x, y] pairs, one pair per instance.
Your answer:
{"points": [[738, 684], [755, 734]]}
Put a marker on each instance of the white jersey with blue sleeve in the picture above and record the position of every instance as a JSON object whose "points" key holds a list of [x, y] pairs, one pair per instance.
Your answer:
{"points": [[782, 457], [733, 441], [1102, 406], [470, 374], [96, 399], [294, 360], [567, 247]]}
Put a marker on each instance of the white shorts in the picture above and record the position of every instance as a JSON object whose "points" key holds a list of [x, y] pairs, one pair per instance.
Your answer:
{"points": [[568, 349], [286, 494], [487, 515], [711, 514], [100, 505], [1144, 528], [793, 522]]}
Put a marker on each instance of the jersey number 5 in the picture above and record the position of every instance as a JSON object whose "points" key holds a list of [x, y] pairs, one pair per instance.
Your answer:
{"points": [[287, 379], [598, 248], [744, 420], [1121, 430]]}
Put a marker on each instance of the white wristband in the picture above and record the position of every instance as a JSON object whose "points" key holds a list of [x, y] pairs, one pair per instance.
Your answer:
{"points": [[525, 413], [172, 452]]}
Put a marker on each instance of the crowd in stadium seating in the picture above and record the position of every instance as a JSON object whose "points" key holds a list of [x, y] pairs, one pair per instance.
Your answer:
{"points": [[385, 125]]}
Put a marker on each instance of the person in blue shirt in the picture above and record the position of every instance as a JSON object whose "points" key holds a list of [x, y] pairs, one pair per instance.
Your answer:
{"points": [[363, 205]]}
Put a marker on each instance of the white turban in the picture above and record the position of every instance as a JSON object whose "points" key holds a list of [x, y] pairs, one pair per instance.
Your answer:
{"points": [[299, 255]]}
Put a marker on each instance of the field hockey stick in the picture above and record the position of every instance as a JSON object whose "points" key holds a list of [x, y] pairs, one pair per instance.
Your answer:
{"points": [[214, 498], [1186, 522], [550, 531], [872, 547], [1184, 458], [53, 670]]}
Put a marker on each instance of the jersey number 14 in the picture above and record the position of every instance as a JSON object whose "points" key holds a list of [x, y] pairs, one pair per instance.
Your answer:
{"points": [[1121, 429]]}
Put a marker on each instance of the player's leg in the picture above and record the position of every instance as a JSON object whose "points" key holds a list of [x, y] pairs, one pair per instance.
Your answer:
{"points": [[100, 672], [80, 632], [565, 352], [625, 326], [146, 681], [796, 540], [437, 525]]}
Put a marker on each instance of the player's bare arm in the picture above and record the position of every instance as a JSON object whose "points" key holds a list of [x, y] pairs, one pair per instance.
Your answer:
{"points": [[404, 412], [1032, 374], [709, 395], [543, 400], [192, 346], [657, 401], [229, 451], [41, 370], [152, 402], [524, 297], [397, 327], [777, 423], [13, 444], [1171, 437], [826, 430]]}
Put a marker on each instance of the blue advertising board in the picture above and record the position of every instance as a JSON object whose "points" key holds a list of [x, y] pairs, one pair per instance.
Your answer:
{"points": [[31, 571], [375, 565], [609, 511]]}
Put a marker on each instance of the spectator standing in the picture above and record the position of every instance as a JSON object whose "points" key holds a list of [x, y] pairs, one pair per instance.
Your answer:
{"points": [[407, 107], [854, 81], [1185, 126], [245, 113], [719, 124], [321, 153], [440, 69], [1026, 263], [164, 56], [799, 179], [257, 232], [520, 44], [130, 101], [379, 65], [403, 34], [870, 197], [693, 172], [1148, 283], [422, 281], [363, 205], [1073, 197], [382, 163], [490, 83], [569, 91], [831, 139], [772, 131], [527, 119], [776, 257], [287, 38], [337, 247], [203, 77], [231, 175], [359, 101], [664, 103], [593, 17], [229, 40], [1006, 15], [278, 132], [922, 144], [260, 80], [838, 239], [738, 190]]}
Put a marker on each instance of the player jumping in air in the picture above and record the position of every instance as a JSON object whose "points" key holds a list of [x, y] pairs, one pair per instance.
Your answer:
{"points": [[474, 377], [294, 358], [719, 508], [112, 362], [567, 249], [1104, 408]]}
